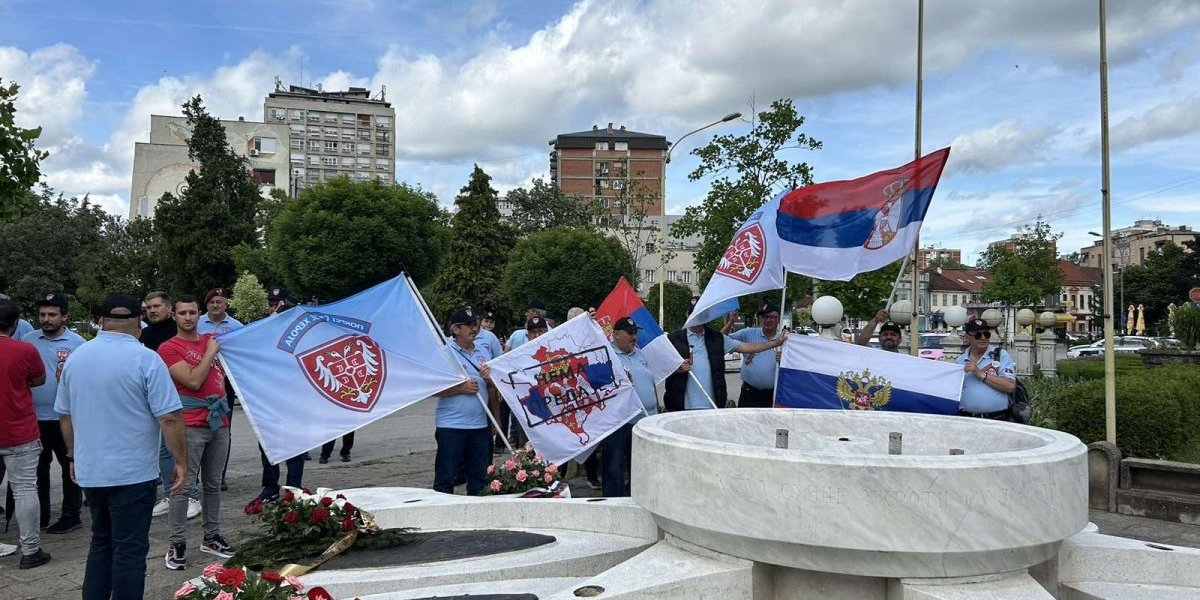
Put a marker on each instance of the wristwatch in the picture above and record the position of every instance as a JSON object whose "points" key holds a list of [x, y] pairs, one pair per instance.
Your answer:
{"points": [[983, 375]]}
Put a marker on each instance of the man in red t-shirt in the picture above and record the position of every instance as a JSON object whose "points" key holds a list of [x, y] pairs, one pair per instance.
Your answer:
{"points": [[191, 359], [21, 368]]}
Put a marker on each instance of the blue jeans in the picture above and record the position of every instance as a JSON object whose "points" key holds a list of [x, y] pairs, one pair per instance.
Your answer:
{"points": [[166, 463], [614, 453], [270, 474], [469, 448], [116, 564]]}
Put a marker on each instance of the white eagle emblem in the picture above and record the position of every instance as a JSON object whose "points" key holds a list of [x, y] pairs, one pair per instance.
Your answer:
{"points": [[349, 370]]}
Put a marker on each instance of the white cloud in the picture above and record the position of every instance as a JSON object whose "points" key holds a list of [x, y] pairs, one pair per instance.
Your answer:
{"points": [[1001, 145], [53, 84], [1162, 122]]}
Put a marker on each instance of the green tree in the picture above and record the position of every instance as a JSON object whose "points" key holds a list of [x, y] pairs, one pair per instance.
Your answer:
{"points": [[255, 257], [863, 295], [565, 267], [199, 229], [19, 158], [249, 302], [1163, 277], [479, 248], [676, 307], [544, 206], [748, 170], [340, 237], [1023, 270]]}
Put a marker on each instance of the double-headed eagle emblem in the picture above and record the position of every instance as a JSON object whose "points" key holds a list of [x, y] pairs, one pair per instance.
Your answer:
{"points": [[863, 391]]}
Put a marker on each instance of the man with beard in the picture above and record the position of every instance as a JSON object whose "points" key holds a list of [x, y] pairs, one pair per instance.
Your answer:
{"points": [[889, 332]]}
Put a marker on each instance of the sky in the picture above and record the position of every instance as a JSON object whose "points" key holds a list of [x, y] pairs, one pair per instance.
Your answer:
{"points": [[1011, 86]]}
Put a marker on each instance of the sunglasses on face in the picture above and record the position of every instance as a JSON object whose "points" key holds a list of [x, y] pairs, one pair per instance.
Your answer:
{"points": [[982, 335]]}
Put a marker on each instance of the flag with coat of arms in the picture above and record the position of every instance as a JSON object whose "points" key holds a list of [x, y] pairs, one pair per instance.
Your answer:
{"points": [[566, 388], [314, 373], [661, 356]]}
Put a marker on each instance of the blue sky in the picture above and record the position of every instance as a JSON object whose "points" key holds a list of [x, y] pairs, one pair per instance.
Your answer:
{"points": [[1011, 86]]}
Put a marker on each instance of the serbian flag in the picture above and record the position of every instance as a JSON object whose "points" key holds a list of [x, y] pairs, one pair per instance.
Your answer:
{"points": [[661, 356], [838, 229], [820, 373]]}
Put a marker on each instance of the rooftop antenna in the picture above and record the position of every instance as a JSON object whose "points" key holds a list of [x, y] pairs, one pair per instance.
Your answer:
{"points": [[278, 84], [301, 70], [382, 95]]}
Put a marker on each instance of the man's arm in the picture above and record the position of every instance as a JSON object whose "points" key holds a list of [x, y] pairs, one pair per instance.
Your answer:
{"points": [[68, 433], [755, 347], [171, 425], [37, 369], [868, 330], [729, 321], [36, 381], [193, 377]]}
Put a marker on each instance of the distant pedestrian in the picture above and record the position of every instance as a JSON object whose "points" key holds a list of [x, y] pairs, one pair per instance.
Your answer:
{"points": [[535, 308], [347, 445], [112, 426]]}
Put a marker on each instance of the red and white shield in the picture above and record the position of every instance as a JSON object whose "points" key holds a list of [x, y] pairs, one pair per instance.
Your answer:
{"points": [[349, 370], [743, 259]]}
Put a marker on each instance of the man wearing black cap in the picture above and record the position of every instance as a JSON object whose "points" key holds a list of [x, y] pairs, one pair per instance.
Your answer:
{"points": [[991, 375], [112, 426], [702, 378], [615, 449], [535, 308], [463, 441], [278, 300], [758, 370], [889, 332], [54, 343]]}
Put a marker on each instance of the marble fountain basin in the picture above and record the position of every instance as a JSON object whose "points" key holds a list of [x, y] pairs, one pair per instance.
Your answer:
{"points": [[836, 501]]}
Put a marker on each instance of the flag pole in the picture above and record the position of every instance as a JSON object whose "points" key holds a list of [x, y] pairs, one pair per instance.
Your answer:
{"points": [[896, 285], [1110, 382], [914, 325], [432, 322], [778, 331], [702, 390]]}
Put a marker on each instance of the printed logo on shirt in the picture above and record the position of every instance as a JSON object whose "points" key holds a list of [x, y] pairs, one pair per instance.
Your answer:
{"points": [[60, 355]]}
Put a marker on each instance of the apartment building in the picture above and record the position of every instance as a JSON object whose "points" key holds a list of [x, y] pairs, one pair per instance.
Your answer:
{"points": [[1132, 244], [610, 167]]}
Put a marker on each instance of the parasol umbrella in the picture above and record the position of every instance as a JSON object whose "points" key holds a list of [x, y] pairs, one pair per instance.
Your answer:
{"points": [[1141, 320], [1128, 321]]}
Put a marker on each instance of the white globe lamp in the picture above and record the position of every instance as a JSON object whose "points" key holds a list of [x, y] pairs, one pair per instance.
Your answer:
{"points": [[992, 317], [955, 316], [827, 312], [901, 312]]}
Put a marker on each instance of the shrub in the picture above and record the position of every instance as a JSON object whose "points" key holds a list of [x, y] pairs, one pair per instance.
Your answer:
{"points": [[1185, 323], [1086, 369]]}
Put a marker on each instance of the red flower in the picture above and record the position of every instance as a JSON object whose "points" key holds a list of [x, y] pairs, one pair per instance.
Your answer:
{"points": [[326, 501], [347, 525], [291, 516], [272, 577], [349, 508], [288, 496], [319, 593], [254, 507], [318, 516], [231, 577]]}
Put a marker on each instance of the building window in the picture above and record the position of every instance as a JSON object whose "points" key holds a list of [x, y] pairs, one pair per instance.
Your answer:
{"points": [[298, 157], [329, 161], [314, 145], [314, 117], [278, 114], [264, 176], [295, 114], [348, 147], [331, 146], [364, 134], [381, 149], [363, 162], [313, 130], [670, 275], [648, 275], [314, 160], [364, 148], [296, 129], [602, 145], [347, 162], [384, 136], [687, 276], [297, 145], [622, 146], [649, 247], [383, 121], [264, 145], [383, 164]]}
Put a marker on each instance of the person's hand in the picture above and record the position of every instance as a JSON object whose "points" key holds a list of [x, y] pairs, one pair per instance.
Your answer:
{"points": [[970, 368], [882, 316], [779, 341], [469, 386], [733, 315], [685, 367], [212, 348], [73, 480], [485, 370], [177, 476]]}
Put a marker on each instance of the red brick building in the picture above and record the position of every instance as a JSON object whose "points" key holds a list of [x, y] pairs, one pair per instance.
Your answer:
{"points": [[599, 164]]}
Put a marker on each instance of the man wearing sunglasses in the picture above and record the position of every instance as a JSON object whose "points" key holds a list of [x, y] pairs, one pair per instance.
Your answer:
{"points": [[991, 375]]}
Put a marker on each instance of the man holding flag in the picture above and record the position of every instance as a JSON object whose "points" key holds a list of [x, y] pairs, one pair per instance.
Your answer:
{"points": [[758, 370], [616, 448], [702, 384], [462, 433]]}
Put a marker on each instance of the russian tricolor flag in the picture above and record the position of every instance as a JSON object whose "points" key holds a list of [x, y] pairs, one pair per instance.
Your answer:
{"points": [[661, 356], [838, 229]]}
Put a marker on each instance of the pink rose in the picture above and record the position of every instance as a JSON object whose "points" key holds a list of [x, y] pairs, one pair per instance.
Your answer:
{"points": [[510, 465], [551, 469], [186, 588], [495, 485], [295, 583], [212, 569], [223, 596], [491, 469], [522, 475], [536, 473], [548, 478]]}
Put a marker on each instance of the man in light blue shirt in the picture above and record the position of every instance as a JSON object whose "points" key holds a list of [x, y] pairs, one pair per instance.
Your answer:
{"points": [[217, 319], [991, 375], [615, 449], [463, 440], [485, 337], [758, 370], [116, 401], [704, 351], [54, 343], [535, 308]]}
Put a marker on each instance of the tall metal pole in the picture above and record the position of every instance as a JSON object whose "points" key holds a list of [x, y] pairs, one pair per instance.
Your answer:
{"points": [[914, 326], [1110, 379]]}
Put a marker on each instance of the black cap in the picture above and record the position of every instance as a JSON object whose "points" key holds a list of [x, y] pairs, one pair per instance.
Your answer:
{"points": [[626, 324], [890, 326], [538, 304], [695, 299], [536, 323], [767, 309], [54, 299], [489, 316], [977, 325], [463, 316], [121, 306], [278, 294]]}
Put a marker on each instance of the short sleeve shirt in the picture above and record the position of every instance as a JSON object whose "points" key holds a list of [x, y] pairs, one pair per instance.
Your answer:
{"points": [[178, 349], [979, 397], [206, 325], [489, 340], [19, 362], [517, 338], [464, 411], [643, 380], [54, 352], [758, 369], [696, 398]]}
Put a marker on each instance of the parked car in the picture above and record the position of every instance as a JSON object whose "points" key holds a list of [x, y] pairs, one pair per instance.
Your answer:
{"points": [[1128, 344], [733, 362]]}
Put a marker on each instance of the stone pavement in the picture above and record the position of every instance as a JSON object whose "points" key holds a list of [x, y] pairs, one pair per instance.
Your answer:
{"points": [[396, 451]]}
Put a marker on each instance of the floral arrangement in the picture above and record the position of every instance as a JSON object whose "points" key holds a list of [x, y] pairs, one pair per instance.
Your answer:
{"points": [[525, 472], [218, 582], [302, 515]]}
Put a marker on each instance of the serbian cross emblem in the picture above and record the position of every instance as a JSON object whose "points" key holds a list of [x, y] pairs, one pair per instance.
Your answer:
{"points": [[349, 371], [743, 259]]}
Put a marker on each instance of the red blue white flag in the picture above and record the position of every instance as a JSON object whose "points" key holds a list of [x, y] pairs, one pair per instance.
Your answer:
{"points": [[838, 229], [661, 356]]}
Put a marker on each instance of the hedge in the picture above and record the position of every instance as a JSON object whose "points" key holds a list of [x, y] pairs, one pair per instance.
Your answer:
{"points": [[1080, 369]]}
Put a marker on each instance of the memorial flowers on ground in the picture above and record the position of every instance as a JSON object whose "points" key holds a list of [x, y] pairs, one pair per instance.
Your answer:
{"points": [[527, 473], [218, 582]]}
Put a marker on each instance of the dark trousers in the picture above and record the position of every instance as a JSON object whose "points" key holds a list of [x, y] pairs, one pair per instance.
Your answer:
{"points": [[347, 445], [615, 451], [55, 448], [468, 449], [270, 474], [752, 397], [228, 402], [116, 563]]}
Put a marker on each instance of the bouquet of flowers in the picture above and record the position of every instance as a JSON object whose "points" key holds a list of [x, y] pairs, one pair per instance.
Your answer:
{"points": [[526, 473], [232, 583]]}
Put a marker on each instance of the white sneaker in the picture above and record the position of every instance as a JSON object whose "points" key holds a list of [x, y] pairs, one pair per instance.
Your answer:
{"points": [[7, 549], [162, 507], [193, 508]]}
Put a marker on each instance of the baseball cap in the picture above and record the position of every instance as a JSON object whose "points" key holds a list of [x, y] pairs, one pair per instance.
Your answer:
{"points": [[54, 299], [695, 299], [626, 324], [890, 326], [277, 294], [463, 316], [536, 304], [489, 316], [121, 306], [977, 325], [767, 309], [213, 293], [536, 323]]}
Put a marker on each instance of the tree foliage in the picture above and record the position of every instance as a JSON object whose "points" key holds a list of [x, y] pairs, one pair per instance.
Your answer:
{"points": [[19, 158], [564, 267], [1162, 278], [1024, 270], [865, 294], [249, 300], [544, 206], [255, 257], [198, 230], [676, 306], [340, 237], [747, 170], [479, 247]]}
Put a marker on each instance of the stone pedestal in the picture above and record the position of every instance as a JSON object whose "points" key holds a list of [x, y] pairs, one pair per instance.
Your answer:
{"points": [[1047, 361], [952, 346], [1023, 352]]}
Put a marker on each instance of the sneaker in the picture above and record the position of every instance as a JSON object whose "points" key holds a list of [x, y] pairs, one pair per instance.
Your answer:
{"points": [[346, 457], [177, 556], [64, 525], [37, 559], [595, 485], [193, 508], [7, 549], [323, 460], [217, 546], [162, 507]]}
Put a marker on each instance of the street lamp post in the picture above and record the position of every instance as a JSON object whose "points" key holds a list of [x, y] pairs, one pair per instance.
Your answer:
{"points": [[662, 200], [1122, 248]]}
